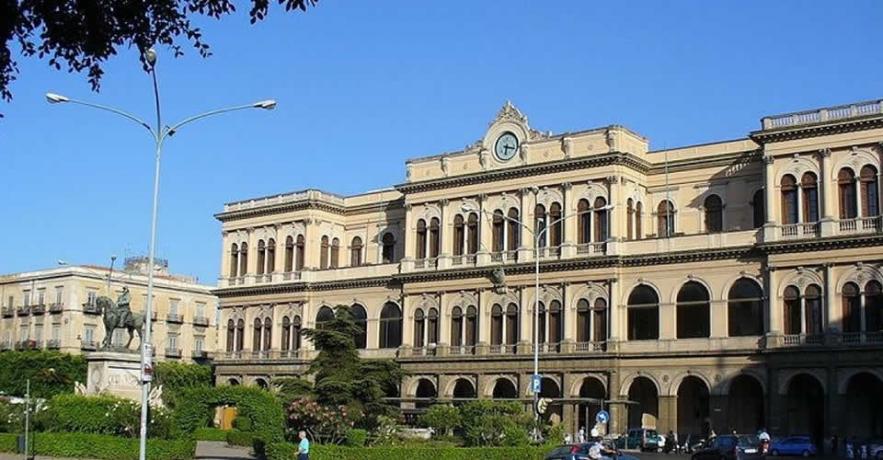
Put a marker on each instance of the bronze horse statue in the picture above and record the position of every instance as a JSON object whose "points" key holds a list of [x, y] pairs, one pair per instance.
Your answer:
{"points": [[111, 314]]}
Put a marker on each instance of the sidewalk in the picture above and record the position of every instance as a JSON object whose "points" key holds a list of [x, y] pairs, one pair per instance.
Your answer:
{"points": [[219, 450], [8, 456]]}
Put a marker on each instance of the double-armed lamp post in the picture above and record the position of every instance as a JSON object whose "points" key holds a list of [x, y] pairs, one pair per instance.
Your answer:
{"points": [[539, 236], [158, 133]]}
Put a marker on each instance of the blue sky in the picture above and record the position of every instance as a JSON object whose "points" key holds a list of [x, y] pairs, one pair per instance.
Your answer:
{"points": [[362, 86]]}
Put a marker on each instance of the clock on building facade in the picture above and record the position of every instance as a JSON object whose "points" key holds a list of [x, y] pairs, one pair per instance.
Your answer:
{"points": [[506, 146]]}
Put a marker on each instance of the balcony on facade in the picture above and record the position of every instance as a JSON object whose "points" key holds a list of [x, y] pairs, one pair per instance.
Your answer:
{"points": [[22, 310], [313, 275], [56, 308], [8, 312], [174, 319], [53, 344], [88, 345], [200, 321], [811, 117], [199, 354], [91, 309], [172, 353], [38, 309]]}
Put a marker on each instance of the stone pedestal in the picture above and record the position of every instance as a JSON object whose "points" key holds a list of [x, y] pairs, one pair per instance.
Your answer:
{"points": [[115, 373]]}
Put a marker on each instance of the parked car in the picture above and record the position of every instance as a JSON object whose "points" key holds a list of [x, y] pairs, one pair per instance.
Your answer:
{"points": [[729, 447], [580, 451], [793, 445], [640, 438]]}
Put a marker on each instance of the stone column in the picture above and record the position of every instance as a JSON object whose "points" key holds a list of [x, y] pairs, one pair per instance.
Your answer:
{"points": [[828, 185], [526, 246], [445, 231], [615, 313], [251, 265], [568, 316], [618, 412], [410, 240], [833, 317], [774, 318], [668, 414], [444, 325], [769, 193], [568, 242], [484, 230], [776, 404], [408, 320], [525, 321], [615, 225], [484, 323]]}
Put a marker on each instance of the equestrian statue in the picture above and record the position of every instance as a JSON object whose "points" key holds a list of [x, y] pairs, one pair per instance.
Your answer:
{"points": [[118, 315]]}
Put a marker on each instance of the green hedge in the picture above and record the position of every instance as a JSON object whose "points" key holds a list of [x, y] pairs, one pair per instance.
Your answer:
{"points": [[285, 451], [240, 438], [90, 414], [50, 372], [195, 409], [82, 445], [210, 434]]}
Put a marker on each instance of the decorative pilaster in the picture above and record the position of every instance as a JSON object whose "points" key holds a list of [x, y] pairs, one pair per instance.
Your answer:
{"points": [[769, 194], [484, 231], [445, 230], [615, 233], [828, 224], [568, 245], [410, 241], [526, 215]]}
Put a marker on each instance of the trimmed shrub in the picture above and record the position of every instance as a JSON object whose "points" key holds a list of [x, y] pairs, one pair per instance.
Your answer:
{"points": [[356, 437], [50, 372], [240, 438], [195, 409], [285, 451], [242, 424], [442, 418], [11, 417], [210, 434], [82, 445], [68, 413]]}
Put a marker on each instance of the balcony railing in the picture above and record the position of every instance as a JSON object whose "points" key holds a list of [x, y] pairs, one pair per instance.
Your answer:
{"points": [[803, 339], [462, 350], [200, 321], [172, 353], [175, 319], [502, 349], [423, 351], [861, 225], [290, 276], [90, 309], [8, 312], [88, 345], [23, 310], [56, 308], [802, 230], [550, 252], [584, 347], [199, 354], [851, 338], [53, 344], [589, 249], [839, 112], [429, 262], [38, 309]]}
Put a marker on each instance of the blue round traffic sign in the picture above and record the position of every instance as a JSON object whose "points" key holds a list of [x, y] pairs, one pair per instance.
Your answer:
{"points": [[602, 416]]}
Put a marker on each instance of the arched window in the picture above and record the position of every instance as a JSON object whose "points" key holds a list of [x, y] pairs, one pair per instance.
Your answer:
{"points": [[556, 233], [421, 240], [243, 259], [846, 187], [459, 235], [356, 252], [286, 334], [390, 326], [335, 253], [433, 237], [240, 335], [869, 192], [472, 231], [360, 318], [643, 314], [432, 327], [556, 322], [873, 307], [323, 255], [584, 222], [231, 335], [791, 303], [757, 205], [852, 308], [541, 332], [693, 311], [324, 315], [599, 320], [745, 309], [600, 220], [639, 208], [583, 321], [262, 257], [271, 255], [630, 219], [268, 334], [496, 325], [301, 251], [289, 254], [471, 329], [512, 324], [809, 185], [295, 333], [540, 221], [256, 343], [788, 187], [803, 314], [714, 214], [419, 328], [813, 308], [665, 219], [513, 232], [456, 327], [234, 256], [389, 248], [497, 232]]}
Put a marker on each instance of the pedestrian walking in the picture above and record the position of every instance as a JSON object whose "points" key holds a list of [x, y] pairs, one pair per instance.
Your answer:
{"points": [[303, 448], [568, 439], [582, 435]]}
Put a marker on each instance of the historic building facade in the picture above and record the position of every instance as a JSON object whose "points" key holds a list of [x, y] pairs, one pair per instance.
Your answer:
{"points": [[56, 309], [730, 285]]}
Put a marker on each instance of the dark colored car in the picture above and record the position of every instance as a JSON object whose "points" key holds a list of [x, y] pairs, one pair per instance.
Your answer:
{"points": [[729, 447], [580, 451], [639, 438], [793, 445]]}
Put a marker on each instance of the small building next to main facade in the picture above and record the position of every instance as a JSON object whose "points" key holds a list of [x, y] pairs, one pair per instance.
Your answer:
{"points": [[730, 285]]}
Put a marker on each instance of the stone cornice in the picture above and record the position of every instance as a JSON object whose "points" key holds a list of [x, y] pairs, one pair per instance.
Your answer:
{"points": [[821, 244], [726, 159], [280, 208], [817, 129]]}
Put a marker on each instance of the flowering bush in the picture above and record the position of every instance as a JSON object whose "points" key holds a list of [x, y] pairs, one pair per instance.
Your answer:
{"points": [[323, 424], [90, 414]]}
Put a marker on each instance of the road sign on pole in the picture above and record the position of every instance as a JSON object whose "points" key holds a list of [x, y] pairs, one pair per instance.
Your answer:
{"points": [[535, 383], [602, 417]]}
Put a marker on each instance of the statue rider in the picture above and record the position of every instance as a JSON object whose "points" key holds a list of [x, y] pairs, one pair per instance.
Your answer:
{"points": [[123, 311]]}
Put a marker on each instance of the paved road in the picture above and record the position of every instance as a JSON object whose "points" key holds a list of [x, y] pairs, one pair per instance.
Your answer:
{"points": [[219, 450]]}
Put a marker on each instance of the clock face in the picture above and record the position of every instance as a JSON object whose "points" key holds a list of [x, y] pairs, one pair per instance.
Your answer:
{"points": [[506, 146]]}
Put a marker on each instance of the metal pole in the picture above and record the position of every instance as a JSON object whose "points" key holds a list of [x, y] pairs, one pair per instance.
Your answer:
{"points": [[536, 330], [27, 417]]}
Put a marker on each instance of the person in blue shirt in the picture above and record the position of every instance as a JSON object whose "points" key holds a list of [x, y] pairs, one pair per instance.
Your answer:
{"points": [[303, 448]]}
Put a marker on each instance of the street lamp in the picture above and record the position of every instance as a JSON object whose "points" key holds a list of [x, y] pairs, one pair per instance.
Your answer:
{"points": [[538, 236], [159, 134]]}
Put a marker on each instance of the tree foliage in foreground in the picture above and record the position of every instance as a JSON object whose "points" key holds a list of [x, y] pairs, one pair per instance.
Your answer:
{"points": [[50, 372], [82, 35]]}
